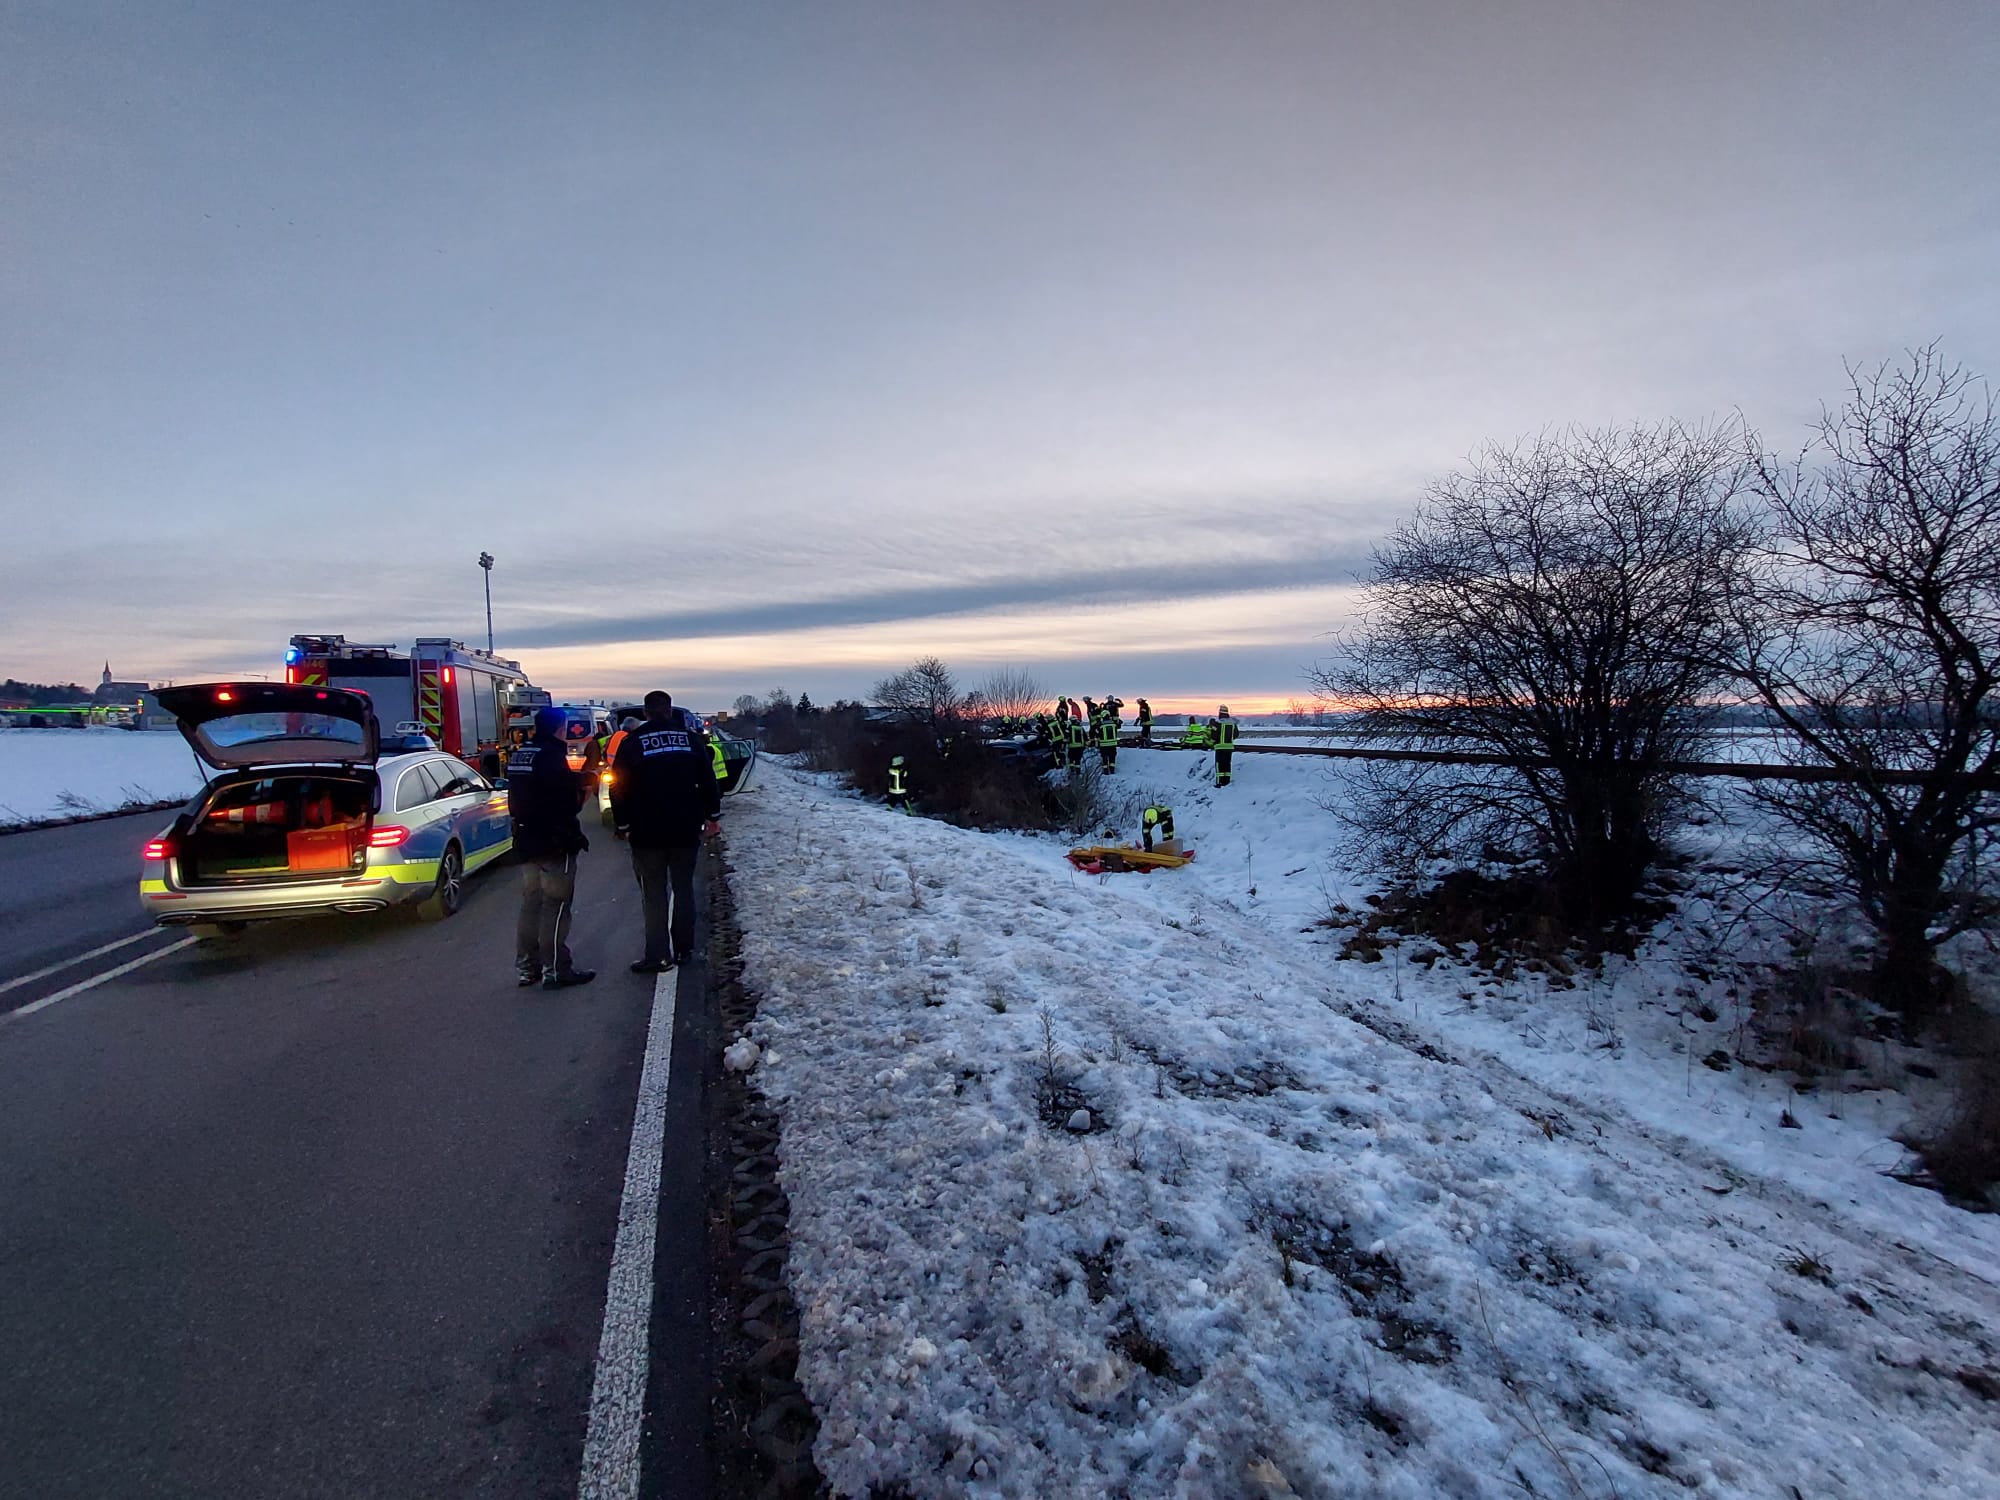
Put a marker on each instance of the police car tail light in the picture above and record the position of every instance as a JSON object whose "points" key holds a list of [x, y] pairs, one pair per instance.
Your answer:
{"points": [[388, 836], [160, 848]]}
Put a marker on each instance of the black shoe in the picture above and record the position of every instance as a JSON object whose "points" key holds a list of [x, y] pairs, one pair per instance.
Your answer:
{"points": [[528, 978], [651, 965], [564, 981]]}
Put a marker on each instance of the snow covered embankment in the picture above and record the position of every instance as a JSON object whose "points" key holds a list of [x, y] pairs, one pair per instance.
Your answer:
{"points": [[58, 773], [1289, 1255]]}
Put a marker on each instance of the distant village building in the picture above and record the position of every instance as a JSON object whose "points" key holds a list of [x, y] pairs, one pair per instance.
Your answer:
{"points": [[109, 691]]}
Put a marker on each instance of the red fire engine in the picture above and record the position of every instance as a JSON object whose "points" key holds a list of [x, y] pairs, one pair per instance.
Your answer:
{"points": [[460, 696]]}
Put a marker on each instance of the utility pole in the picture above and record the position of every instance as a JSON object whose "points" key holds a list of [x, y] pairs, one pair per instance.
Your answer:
{"points": [[486, 567]]}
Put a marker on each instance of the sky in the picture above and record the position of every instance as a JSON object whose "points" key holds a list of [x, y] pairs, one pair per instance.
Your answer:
{"points": [[781, 344]]}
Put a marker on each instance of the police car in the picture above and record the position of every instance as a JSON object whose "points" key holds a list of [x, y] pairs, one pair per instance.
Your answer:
{"points": [[308, 814]]}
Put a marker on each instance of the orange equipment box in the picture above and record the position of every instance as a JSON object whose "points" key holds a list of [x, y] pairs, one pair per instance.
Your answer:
{"points": [[310, 849]]}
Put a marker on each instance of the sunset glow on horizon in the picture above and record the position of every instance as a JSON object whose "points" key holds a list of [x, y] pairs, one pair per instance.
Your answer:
{"points": [[782, 347]]}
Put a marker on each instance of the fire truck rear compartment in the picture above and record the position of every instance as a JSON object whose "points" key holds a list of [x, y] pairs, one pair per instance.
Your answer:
{"points": [[283, 826]]}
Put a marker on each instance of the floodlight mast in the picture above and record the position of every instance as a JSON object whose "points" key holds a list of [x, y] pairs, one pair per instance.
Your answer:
{"points": [[486, 567]]}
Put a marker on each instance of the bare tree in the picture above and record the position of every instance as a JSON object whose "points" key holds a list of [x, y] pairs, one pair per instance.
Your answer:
{"points": [[1557, 605], [1012, 693], [925, 690], [1869, 627]]}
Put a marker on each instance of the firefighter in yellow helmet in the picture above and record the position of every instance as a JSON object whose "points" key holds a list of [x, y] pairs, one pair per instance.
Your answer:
{"points": [[1222, 729]]}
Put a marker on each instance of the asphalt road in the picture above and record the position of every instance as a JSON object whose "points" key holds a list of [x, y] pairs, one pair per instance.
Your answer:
{"points": [[326, 1209]]}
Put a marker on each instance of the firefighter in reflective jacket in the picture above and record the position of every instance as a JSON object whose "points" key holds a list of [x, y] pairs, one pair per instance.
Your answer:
{"points": [[1145, 723], [1157, 820], [899, 784], [1107, 739], [1222, 729], [1076, 738]]}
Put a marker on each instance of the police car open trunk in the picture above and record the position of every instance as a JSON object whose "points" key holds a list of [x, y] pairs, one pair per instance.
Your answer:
{"points": [[297, 793], [278, 825]]}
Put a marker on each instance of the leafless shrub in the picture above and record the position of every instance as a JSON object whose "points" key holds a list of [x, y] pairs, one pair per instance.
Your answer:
{"points": [[1961, 1153], [1082, 800], [1011, 693], [925, 691], [1868, 624], [1557, 605]]}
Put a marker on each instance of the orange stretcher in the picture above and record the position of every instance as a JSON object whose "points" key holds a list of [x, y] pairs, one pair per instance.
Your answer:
{"points": [[1111, 859]]}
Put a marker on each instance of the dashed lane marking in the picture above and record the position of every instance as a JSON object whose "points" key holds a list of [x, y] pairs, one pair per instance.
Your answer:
{"points": [[94, 981], [56, 968], [618, 1395]]}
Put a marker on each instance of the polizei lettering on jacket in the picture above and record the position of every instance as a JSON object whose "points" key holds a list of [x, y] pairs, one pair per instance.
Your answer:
{"points": [[664, 742]]}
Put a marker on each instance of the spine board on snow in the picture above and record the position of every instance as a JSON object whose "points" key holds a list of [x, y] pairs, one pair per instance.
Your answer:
{"points": [[1105, 859]]}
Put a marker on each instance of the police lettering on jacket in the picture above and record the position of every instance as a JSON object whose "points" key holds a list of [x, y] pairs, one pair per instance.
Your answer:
{"points": [[665, 742], [663, 785], [543, 795]]}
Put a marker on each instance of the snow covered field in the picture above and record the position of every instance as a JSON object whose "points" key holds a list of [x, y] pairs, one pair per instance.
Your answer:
{"points": [[52, 773], [1124, 1186]]}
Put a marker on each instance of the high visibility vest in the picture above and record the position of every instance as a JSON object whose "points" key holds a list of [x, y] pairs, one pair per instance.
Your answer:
{"points": [[1107, 732], [721, 763], [1079, 733], [611, 749], [897, 786], [1225, 732], [1145, 713], [1160, 819]]}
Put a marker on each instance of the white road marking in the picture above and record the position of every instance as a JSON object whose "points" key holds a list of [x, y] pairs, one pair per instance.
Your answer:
{"points": [[94, 981], [15, 984], [618, 1395]]}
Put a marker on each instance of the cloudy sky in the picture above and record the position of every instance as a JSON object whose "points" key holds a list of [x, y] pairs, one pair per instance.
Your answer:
{"points": [[776, 344]]}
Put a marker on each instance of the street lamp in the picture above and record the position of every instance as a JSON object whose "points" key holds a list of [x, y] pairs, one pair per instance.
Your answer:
{"points": [[486, 567]]}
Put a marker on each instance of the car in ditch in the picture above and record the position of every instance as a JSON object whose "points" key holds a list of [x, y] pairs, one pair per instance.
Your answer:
{"points": [[310, 810]]}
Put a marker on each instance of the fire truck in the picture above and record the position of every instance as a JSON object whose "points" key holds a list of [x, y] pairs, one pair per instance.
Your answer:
{"points": [[462, 697]]}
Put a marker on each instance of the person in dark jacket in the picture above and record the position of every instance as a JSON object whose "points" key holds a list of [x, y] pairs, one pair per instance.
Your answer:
{"points": [[543, 795], [663, 798]]}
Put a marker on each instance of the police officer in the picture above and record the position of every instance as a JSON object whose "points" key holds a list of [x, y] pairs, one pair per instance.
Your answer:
{"points": [[663, 799], [1222, 729], [543, 795]]}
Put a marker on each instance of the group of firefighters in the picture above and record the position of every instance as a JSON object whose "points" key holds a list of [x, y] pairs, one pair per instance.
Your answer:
{"points": [[1073, 727]]}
